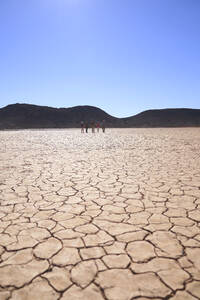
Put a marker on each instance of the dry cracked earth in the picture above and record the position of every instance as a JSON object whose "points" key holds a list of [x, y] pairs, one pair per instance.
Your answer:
{"points": [[112, 216]]}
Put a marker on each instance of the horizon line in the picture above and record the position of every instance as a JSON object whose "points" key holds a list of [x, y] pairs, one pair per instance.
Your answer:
{"points": [[87, 105]]}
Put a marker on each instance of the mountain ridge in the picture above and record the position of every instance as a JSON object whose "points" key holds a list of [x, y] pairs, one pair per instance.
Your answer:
{"points": [[27, 116]]}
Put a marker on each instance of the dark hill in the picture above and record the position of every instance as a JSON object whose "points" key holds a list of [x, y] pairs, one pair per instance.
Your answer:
{"points": [[171, 117], [17, 116], [22, 116]]}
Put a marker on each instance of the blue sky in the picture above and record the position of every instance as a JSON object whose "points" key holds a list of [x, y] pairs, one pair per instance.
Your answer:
{"points": [[124, 56]]}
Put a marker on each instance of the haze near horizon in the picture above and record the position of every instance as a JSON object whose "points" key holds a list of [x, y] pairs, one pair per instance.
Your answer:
{"points": [[121, 56]]}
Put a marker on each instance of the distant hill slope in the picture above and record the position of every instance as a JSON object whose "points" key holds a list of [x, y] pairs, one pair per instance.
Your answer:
{"points": [[171, 117], [22, 116]]}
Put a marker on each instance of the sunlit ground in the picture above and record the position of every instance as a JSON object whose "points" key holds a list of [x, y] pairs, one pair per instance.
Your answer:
{"points": [[100, 216]]}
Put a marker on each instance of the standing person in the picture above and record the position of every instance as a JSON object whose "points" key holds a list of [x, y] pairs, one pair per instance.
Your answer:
{"points": [[103, 126], [98, 126], [86, 127], [93, 126], [82, 127]]}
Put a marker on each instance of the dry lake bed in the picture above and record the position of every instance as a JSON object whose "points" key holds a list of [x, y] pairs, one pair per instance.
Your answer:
{"points": [[111, 216]]}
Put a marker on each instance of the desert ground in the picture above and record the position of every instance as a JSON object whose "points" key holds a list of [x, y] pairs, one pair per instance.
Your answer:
{"points": [[112, 216]]}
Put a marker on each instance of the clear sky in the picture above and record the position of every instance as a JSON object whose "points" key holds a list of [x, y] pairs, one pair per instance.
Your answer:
{"points": [[124, 56]]}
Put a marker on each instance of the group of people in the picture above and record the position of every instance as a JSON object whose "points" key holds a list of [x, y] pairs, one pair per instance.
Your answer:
{"points": [[93, 125]]}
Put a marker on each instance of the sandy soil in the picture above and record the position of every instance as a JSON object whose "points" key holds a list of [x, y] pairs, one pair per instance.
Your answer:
{"points": [[111, 216]]}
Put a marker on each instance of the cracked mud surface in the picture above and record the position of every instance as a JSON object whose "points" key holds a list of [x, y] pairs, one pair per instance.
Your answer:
{"points": [[111, 216]]}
